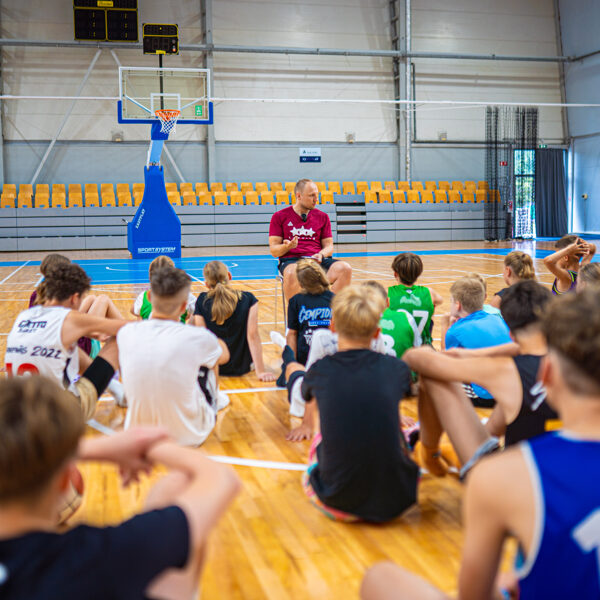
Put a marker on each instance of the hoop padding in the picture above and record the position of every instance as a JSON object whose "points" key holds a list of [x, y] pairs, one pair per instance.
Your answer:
{"points": [[168, 119]]}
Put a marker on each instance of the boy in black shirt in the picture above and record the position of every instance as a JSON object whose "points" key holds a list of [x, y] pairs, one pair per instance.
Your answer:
{"points": [[359, 468], [157, 554], [521, 411]]}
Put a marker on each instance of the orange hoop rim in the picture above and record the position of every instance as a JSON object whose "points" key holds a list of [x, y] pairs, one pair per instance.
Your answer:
{"points": [[167, 114]]}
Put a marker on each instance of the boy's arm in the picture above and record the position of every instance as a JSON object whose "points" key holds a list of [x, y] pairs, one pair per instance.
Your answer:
{"points": [[436, 298], [551, 262], [78, 325], [485, 531], [510, 349], [198, 321], [224, 353], [589, 255]]}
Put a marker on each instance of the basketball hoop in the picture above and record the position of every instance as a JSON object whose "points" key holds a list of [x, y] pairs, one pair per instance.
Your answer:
{"points": [[168, 119]]}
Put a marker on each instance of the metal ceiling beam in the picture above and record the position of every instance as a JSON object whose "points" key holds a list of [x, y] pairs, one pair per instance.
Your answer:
{"points": [[294, 50]]}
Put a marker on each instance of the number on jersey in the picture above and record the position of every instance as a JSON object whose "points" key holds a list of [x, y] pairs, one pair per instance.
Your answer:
{"points": [[24, 369], [417, 321]]}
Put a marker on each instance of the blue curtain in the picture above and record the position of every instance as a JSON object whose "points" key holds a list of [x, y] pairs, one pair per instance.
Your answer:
{"points": [[550, 193]]}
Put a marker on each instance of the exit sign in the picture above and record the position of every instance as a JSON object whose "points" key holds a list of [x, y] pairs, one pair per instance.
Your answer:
{"points": [[504, 163]]}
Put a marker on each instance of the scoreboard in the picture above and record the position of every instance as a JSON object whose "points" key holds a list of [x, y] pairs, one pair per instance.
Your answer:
{"points": [[160, 38], [106, 20]]}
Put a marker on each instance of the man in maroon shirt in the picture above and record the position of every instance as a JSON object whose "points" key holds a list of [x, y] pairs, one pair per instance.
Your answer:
{"points": [[303, 231]]}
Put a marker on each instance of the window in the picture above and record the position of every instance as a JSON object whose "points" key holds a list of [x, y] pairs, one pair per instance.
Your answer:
{"points": [[524, 204]]}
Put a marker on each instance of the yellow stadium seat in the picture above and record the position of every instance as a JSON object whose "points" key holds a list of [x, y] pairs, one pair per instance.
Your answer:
{"points": [[276, 186], [252, 197], [9, 189], [201, 188], [469, 196], [389, 185], [370, 196], [171, 187], [440, 196], [109, 200], [375, 186], [320, 186], [205, 199], [24, 201], [412, 196], [470, 185], [495, 196], [326, 197], [59, 200], [75, 201], [430, 185], [334, 187], [361, 186], [426, 197], [7, 201], [189, 198], [185, 188], [216, 187], [261, 186], [236, 198], [58, 188], [385, 196], [483, 185], [137, 188], [444, 185], [417, 185], [266, 197], [107, 188], [246, 186], [403, 186], [221, 198], [481, 196], [231, 187], [289, 187], [398, 196], [454, 196], [42, 201], [174, 198], [458, 185], [282, 197], [348, 187], [92, 201], [137, 198], [123, 189], [124, 200]]}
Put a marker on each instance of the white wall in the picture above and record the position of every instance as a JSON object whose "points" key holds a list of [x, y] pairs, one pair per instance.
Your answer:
{"points": [[470, 26]]}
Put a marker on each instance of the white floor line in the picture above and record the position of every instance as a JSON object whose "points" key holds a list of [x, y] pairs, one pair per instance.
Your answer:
{"points": [[252, 390], [382, 275], [229, 460], [15, 271]]}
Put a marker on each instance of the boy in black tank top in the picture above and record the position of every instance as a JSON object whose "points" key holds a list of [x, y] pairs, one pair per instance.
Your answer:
{"points": [[521, 411]]}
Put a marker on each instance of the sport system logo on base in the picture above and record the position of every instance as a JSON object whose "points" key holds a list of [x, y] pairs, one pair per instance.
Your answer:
{"points": [[156, 250]]}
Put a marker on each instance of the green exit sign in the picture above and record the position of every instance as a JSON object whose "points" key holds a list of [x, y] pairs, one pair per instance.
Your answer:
{"points": [[198, 110]]}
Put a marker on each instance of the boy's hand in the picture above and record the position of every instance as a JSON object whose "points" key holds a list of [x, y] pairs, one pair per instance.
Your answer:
{"points": [[302, 432], [579, 248]]}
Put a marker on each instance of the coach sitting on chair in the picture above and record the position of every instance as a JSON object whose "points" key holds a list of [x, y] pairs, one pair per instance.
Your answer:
{"points": [[303, 231]]}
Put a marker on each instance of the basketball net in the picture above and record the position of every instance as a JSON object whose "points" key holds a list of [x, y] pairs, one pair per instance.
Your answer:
{"points": [[168, 119]]}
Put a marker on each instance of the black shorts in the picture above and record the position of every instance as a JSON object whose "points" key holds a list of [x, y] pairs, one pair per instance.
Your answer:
{"points": [[284, 262]]}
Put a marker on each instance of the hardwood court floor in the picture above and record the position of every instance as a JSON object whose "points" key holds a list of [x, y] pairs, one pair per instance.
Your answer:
{"points": [[272, 543]]}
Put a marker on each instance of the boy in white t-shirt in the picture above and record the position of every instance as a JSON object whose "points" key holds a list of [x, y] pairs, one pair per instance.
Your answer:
{"points": [[167, 367]]}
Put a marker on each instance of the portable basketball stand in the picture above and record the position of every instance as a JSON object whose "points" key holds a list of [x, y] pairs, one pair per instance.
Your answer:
{"points": [[155, 228]]}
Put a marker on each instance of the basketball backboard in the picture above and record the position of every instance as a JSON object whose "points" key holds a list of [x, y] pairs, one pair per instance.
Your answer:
{"points": [[144, 90]]}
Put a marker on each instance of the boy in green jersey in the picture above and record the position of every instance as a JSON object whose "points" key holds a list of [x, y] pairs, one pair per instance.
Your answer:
{"points": [[416, 302]]}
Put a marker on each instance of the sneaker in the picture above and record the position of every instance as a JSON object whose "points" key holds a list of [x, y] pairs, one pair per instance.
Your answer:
{"points": [[222, 400], [277, 339], [115, 387]]}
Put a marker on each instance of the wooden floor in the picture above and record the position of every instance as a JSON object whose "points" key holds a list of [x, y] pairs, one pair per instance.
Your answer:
{"points": [[272, 543]]}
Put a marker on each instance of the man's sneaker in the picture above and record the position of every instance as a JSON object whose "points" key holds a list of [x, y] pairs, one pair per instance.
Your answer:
{"points": [[277, 339], [115, 387]]}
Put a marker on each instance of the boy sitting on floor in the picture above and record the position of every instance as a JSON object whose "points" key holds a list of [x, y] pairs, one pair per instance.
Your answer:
{"points": [[359, 466], [156, 554], [473, 328], [168, 367], [540, 491]]}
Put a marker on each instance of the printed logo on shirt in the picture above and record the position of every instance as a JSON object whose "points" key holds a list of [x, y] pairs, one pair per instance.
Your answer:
{"points": [[290, 224], [538, 391], [410, 299], [316, 317], [28, 326], [303, 231]]}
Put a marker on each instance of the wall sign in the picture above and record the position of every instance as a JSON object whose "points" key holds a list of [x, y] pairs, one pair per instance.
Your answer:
{"points": [[310, 155]]}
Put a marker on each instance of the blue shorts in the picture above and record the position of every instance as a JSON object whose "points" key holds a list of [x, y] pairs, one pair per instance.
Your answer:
{"points": [[284, 262]]}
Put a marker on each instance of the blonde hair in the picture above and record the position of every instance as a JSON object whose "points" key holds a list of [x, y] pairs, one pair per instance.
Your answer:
{"points": [[49, 262], [375, 285], [41, 425], [520, 264], [469, 292], [311, 277], [224, 298], [356, 311], [479, 278], [159, 262]]}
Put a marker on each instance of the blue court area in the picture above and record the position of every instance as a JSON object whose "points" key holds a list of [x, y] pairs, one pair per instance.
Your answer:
{"points": [[259, 266]]}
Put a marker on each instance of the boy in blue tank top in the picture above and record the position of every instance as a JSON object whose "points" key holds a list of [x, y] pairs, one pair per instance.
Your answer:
{"points": [[539, 491]]}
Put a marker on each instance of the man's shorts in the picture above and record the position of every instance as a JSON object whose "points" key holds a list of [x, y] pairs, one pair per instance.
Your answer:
{"points": [[284, 262]]}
